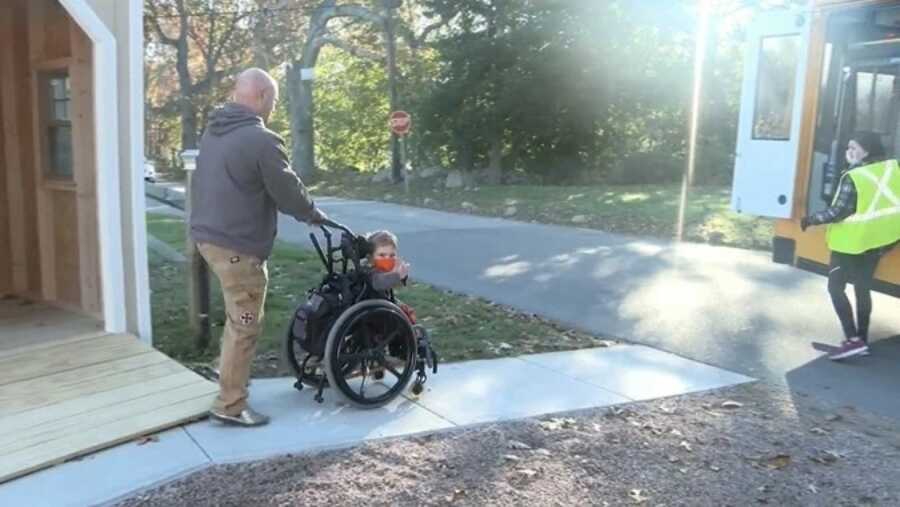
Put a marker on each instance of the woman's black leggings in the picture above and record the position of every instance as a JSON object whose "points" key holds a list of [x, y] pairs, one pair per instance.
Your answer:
{"points": [[859, 270]]}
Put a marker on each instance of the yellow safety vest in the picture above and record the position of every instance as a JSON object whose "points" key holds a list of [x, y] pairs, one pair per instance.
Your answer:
{"points": [[876, 221]]}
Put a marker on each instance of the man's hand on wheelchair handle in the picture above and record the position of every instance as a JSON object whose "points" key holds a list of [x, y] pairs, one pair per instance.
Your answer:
{"points": [[804, 223], [317, 217]]}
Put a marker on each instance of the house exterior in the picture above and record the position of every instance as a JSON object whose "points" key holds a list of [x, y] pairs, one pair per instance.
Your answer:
{"points": [[77, 372], [71, 158]]}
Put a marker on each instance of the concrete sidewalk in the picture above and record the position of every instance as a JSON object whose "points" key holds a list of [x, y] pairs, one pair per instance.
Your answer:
{"points": [[461, 394]]}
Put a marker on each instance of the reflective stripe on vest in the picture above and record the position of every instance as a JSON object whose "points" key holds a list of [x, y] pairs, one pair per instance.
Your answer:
{"points": [[876, 221]]}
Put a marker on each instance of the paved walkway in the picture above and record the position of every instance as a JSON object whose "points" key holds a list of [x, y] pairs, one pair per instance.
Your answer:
{"points": [[728, 307], [461, 394]]}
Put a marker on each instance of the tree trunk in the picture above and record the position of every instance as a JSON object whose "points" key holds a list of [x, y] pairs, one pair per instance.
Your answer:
{"points": [[397, 172], [186, 109], [494, 174], [300, 94]]}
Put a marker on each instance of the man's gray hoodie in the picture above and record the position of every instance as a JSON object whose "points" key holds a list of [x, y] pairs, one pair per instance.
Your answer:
{"points": [[243, 178]]}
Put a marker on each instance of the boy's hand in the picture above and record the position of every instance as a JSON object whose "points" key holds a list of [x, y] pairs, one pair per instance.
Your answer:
{"points": [[402, 269]]}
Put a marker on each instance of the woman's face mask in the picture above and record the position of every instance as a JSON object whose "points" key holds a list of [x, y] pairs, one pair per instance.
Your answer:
{"points": [[855, 153]]}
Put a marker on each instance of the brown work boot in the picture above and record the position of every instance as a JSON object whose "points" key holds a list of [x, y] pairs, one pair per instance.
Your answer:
{"points": [[248, 417]]}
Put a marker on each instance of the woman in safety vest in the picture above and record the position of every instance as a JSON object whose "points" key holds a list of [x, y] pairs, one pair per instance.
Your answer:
{"points": [[864, 223]]}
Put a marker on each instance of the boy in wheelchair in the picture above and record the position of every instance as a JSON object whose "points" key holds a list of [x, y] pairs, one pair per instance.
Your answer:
{"points": [[387, 271], [352, 326]]}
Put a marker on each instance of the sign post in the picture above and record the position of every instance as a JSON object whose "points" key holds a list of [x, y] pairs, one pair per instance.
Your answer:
{"points": [[401, 124]]}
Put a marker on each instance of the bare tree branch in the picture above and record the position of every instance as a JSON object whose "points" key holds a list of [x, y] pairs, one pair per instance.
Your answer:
{"points": [[324, 14], [154, 18], [416, 41], [343, 45], [226, 37]]}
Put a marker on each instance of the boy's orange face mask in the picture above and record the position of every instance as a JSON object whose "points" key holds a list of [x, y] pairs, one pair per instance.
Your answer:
{"points": [[385, 264]]}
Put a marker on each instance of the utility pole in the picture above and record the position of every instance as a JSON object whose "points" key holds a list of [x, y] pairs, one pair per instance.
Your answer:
{"points": [[397, 171]]}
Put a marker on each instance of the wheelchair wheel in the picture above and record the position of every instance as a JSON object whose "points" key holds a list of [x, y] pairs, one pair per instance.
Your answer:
{"points": [[371, 339]]}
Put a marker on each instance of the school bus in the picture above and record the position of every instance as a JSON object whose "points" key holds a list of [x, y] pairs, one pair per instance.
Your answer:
{"points": [[812, 77]]}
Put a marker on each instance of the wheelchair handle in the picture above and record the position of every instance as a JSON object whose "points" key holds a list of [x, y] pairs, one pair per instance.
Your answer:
{"points": [[328, 223]]}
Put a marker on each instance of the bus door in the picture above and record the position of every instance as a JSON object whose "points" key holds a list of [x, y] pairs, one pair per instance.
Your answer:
{"points": [[771, 107]]}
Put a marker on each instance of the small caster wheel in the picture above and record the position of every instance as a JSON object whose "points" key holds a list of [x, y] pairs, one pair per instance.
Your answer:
{"points": [[319, 398], [378, 374], [417, 388], [298, 385]]}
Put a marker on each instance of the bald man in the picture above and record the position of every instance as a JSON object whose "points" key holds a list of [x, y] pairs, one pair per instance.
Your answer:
{"points": [[243, 179]]}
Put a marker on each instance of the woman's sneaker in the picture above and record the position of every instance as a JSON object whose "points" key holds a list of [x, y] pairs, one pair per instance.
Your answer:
{"points": [[849, 348]]}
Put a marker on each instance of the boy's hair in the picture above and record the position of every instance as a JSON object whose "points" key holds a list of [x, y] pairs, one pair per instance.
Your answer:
{"points": [[382, 238]]}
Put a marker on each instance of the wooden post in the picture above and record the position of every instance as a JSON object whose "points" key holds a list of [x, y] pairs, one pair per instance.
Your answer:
{"points": [[198, 271]]}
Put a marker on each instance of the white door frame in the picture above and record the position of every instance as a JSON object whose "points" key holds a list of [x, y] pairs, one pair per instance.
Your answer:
{"points": [[106, 153]]}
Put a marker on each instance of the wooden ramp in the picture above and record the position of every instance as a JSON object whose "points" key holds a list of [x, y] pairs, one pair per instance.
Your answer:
{"points": [[75, 395]]}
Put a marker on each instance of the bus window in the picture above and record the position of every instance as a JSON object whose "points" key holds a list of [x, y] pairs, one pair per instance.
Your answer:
{"points": [[778, 58], [874, 93]]}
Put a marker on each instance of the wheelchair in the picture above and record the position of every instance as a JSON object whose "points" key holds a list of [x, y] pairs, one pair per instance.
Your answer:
{"points": [[349, 336]]}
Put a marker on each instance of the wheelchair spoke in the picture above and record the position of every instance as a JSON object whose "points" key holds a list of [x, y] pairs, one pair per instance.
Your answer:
{"points": [[362, 385], [393, 337], [346, 358], [384, 362]]}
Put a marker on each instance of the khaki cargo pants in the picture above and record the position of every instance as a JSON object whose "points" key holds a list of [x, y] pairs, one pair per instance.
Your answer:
{"points": [[244, 279]]}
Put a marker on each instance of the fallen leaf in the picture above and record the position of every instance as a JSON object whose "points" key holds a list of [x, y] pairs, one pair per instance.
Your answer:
{"points": [[732, 404], [148, 439], [558, 423], [764, 488], [519, 446], [637, 495], [457, 494], [511, 457], [833, 417], [686, 446], [812, 488], [683, 470], [826, 457], [714, 468], [818, 431], [542, 452], [527, 472], [674, 459], [779, 462], [676, 433]]}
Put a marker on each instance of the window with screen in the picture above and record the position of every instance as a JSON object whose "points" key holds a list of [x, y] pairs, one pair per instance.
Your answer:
{"points": [[875, 102], [776, 78], [57, 94]]}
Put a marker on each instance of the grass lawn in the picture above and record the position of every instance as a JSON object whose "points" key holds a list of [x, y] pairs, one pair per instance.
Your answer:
{"points": [[462, 327], [646, 210]]}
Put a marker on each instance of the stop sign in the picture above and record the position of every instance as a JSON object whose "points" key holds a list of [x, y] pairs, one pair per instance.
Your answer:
{"points": [[400, 123]]}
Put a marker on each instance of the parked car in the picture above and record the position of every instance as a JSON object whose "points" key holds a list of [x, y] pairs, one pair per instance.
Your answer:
{"points": [[149, 171]]}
